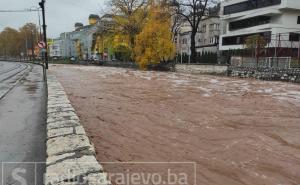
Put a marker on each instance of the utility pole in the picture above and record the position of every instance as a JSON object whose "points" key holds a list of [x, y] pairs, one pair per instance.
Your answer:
{"points": [[32, 46], [42, 5]]}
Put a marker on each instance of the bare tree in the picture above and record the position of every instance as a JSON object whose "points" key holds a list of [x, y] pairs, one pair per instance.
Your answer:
{"points": [[177, 21], [193, 11]]}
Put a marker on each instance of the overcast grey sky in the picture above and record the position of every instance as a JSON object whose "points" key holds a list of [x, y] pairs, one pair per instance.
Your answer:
{"points": [[60, 14]]}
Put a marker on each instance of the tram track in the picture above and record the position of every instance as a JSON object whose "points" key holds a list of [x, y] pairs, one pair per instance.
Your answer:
{"points": [[11, 76]]}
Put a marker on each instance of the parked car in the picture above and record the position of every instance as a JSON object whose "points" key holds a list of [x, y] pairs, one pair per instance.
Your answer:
{"points": [[73, 59]]}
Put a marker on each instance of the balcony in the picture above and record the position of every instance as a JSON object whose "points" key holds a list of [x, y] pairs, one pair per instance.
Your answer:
{"points": [[249, 5]]}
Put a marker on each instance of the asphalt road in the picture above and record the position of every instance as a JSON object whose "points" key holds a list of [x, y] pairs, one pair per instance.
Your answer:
{"points": [[22, 123]]}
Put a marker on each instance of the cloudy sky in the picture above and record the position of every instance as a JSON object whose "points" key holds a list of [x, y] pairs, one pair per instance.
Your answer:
{"points": [[60, 14]]}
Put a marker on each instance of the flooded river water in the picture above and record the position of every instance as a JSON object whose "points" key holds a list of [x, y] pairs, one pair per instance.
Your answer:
{"points": [[236, 131]]}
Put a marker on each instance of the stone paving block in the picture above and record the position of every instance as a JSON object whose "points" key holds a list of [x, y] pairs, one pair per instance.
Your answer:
{"points": [[59, 105], [60, 132], [54, 89], [55, 92], [56, 119], [60, 109], [65, 183], [56, 95], [58, 101], [55, 115], [61, 124], [80, 130], [57, 98], [56, 158], [69, 143], [71, 168]]}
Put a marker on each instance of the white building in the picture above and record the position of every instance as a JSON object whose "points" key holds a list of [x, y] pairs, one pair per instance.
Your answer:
{"points": [[83, 37], [268, 18], [55, 48], [207, 37], [67, 45]]}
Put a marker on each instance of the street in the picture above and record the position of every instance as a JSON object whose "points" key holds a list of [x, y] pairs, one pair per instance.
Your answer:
{"points": [[22, 120], [237, 131]]}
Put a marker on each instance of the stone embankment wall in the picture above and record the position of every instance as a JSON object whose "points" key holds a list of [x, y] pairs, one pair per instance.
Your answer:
{"points": [[288, 75], [201, 69], [70, 154]]}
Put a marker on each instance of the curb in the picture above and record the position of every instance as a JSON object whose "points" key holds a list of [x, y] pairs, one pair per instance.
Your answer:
{"points": [[70, 154]]}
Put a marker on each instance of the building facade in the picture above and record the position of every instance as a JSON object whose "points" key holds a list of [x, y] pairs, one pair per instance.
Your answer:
{"points": [[55, 48], [81, 43], [67, 45], [272, 19], [207, 37]]}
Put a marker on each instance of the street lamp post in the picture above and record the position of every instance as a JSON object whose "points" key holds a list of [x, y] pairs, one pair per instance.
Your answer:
{"points": [[42, 5]]}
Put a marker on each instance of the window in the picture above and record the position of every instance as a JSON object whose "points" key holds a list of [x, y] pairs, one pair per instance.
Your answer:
{"points": [[294, 37], [249, 5], [237, 40], [214, 27], [203, 28], [298, 21], [216, 39], [247, 23], [211, 27]]}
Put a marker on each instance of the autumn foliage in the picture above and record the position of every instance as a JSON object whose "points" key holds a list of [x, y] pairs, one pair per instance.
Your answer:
{"points": [[154, 43], [145, 29], [13, 42]]}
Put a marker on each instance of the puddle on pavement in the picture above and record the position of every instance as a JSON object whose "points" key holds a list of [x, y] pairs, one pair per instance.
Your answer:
{"points": [[31, 88]]}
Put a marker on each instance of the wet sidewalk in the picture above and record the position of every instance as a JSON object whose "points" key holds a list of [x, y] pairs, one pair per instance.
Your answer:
{"points": [[23, 129]]}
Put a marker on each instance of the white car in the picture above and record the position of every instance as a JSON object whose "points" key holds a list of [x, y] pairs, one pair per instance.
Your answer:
{"points": [[72, 59]]}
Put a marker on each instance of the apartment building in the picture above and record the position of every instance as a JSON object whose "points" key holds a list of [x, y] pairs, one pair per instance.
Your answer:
{"points": [[207, 37], [82, 39], [55, 48], [273, 19]]}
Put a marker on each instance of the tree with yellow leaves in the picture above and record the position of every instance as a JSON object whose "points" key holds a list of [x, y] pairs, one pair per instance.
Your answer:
{"points": [[153, 44], [129, 18]]}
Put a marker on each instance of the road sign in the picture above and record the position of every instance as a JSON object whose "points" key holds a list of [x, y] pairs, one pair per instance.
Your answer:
{"points": [[41, 44]]}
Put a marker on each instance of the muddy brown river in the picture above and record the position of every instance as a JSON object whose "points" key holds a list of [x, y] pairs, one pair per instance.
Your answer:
{"points": [[217, 130]]}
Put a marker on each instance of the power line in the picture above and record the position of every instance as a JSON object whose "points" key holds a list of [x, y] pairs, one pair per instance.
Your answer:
{"points": [[14, 11]]}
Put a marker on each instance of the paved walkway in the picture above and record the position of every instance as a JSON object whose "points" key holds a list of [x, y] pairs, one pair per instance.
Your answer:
{"points": [[22, 122]]}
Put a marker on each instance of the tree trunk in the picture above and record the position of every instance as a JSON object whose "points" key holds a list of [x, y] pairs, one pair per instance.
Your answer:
{"points": [[131, 45], [193, 47], [131, 40]]}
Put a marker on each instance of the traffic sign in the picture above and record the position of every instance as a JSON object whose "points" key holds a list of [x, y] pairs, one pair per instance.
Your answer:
{"points": [[41, 44]]}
